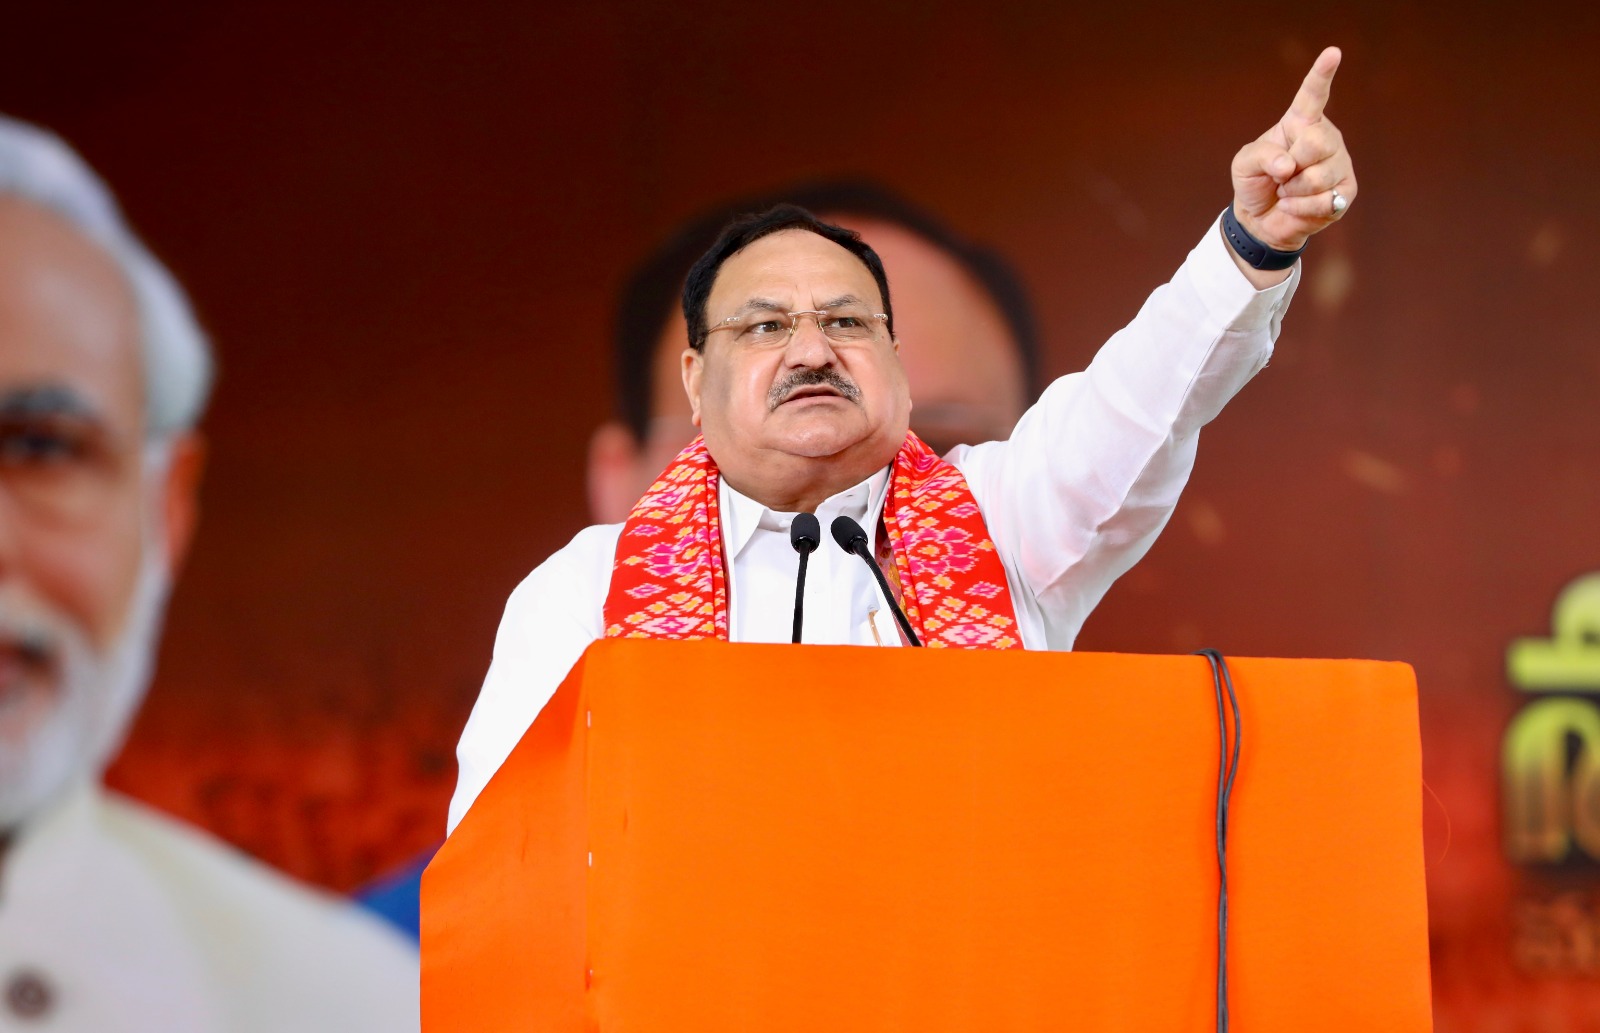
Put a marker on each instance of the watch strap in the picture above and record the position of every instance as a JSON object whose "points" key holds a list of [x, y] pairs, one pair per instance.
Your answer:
{"points": [[1256, 254]]}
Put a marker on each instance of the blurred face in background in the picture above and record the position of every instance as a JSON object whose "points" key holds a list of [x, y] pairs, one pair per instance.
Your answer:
{"points": [[961, 363], [92, 517]]}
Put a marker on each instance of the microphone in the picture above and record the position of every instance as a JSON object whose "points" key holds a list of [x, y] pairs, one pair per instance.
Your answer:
{"points": [[853, 539], [805, 534]]}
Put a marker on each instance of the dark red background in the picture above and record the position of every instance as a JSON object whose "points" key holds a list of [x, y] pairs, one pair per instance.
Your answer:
{"points": [[404, 225]]}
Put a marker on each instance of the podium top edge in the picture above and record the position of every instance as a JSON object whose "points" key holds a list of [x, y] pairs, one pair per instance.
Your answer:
{"points": [[1086, 655]]}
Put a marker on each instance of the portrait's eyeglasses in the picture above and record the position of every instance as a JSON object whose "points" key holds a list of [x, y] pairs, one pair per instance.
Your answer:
{"points": [[843, 325]]}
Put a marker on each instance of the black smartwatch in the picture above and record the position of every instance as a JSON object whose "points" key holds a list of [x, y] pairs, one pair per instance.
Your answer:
{"points": [[1256, 254]]}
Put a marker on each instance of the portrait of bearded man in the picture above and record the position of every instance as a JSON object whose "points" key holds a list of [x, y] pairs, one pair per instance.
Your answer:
{"points": [[114, 916]]}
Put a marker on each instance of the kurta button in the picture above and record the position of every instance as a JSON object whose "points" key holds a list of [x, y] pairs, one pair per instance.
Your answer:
{"points": [[28, 995]]}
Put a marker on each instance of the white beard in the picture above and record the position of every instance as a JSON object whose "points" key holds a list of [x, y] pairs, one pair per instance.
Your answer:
{"points": [[97, 694]]}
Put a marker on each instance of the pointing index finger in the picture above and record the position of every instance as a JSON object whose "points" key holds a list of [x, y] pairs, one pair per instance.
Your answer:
{"points": [[1313, 96]]}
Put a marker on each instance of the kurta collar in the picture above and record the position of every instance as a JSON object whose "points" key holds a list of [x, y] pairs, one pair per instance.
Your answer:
{"points": [[742, 516], [84, 907]]}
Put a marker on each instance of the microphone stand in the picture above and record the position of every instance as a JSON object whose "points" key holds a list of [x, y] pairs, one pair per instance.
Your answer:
{"points": [[853, 539], [805, 534]]}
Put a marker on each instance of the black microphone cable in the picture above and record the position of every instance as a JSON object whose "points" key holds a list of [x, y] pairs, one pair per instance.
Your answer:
{"points": [[1227, 769], [853, 539], [805, 534]]}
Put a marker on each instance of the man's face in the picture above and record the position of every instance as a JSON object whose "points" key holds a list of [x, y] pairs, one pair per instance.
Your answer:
{"points": [[76, 508], [767, 408], [960, 361]]}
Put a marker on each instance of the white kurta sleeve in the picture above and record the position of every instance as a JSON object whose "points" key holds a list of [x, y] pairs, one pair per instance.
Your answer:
{"points": [[1094, 469], [549, 621]]}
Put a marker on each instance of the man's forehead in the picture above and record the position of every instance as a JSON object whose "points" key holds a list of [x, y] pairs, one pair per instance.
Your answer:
{"points": [[793, 267], [69, 327]]}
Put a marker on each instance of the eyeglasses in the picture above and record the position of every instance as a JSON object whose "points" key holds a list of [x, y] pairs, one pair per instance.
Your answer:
{"points": [[845, 324]]}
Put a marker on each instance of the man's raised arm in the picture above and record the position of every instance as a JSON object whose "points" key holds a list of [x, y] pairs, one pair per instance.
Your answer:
{"points": [[1093, 471]]}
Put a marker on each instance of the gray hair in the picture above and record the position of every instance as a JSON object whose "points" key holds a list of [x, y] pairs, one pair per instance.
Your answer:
{"points": [[38, 167]]}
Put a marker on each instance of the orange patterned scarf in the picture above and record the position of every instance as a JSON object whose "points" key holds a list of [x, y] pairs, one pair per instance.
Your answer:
{"points": [[670, 580]]}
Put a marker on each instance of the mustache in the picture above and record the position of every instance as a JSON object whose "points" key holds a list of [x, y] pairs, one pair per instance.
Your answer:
{"points": [[36, 641], [811, 377]]}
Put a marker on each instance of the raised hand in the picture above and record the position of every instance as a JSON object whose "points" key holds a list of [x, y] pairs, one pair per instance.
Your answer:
{"points": [[1287, 184]]}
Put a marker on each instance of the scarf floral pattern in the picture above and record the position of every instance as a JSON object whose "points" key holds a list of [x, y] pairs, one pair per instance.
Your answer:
{"points": [[670, 578]]}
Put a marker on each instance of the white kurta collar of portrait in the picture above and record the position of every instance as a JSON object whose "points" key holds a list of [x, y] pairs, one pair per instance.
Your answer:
{"points": [[742, 516], [89, 906]]}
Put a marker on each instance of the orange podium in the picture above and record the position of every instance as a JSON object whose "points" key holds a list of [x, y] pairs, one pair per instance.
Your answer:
{"points": [[699, 837]]}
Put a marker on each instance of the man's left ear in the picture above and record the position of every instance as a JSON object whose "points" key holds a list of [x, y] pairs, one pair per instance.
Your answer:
{"points": [[180, 496], [693, 369]]}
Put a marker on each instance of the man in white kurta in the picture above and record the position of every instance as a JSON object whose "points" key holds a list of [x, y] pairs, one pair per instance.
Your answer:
{"points": [[1071, 500]]}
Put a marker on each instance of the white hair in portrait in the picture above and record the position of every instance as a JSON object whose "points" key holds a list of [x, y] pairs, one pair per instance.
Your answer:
{"points": [[36, 166]]}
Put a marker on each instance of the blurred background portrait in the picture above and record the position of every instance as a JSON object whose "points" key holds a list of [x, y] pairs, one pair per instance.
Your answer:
{"points": [[113, 915]]}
